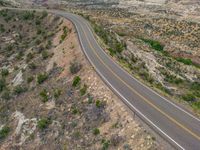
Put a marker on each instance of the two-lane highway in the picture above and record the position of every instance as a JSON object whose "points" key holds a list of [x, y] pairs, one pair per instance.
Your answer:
{"points": [[176, 125]]}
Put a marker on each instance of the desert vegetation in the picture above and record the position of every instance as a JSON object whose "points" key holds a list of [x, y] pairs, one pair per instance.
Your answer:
{"points": [[155, 50], [50, 97]]}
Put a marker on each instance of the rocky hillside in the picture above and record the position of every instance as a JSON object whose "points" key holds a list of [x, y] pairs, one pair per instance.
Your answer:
{"points": [[189, 9], [51, 98], [183, 9]]}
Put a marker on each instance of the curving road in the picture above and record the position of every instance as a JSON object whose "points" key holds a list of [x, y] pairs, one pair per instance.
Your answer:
{"points": [[176, 125]]}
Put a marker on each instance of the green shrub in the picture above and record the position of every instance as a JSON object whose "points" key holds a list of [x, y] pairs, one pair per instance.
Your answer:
{"points": [[77, 134], [45, 54], [121, 34], [96, 131], [74, 124], [177, 81], [4, 3], [29, 56], [4, 72], [19, 56], [76, 81], [42, 77], [44, 95], [119, 47], [75, 67], [127, 147], [112, 52], [65, 32], [38, 41], [4, 12], [30, 79], [106, 144], [83, 90], [6, 95], [2, 29], [189, 97], [44, 14], [8, 17], [50, 34], [43, 123], [75, 110], [32, 66], [49, 44], [9, 47], [145, 75], [27, 15], [2, 84], [161, 87], [90, 99], [37, 22], [196, 105], [98, 103], [57, 93], [195, 86], [173, 79], [39, 31], [19, 89], [154, 44], [185, 61], [4, 132]]}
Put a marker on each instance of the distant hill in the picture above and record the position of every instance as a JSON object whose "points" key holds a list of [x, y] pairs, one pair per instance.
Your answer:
{"points": [[182, 8], [117, 3]]}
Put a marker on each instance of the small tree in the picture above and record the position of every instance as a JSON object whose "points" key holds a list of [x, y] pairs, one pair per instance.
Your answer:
{"points": [[57, 93], [96, 131], [32, 66], [76, 81], [83, 90], [28, 15], [44, 14], [30, 79], [43, 123], [44, 95], [75, 67], [75, 110], [19, 89], [6, 95], [106, 144], [41, 78], [189, 97], [29, 56], [45, 54], [4, 72], [2, 84], [98, 104], [4, 132]]}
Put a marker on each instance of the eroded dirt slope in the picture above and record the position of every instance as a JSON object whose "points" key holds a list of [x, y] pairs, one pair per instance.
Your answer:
{"points": [[51, 97]]}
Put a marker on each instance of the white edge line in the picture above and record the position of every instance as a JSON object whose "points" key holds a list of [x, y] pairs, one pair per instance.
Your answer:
{"points": [[144, 84], [123, 96]]}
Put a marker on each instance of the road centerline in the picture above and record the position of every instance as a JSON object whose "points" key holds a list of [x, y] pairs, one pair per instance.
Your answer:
{"points": [[133, 90]]}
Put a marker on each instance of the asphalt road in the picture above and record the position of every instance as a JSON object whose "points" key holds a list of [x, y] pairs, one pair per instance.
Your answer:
{"points": [[176, 125]]}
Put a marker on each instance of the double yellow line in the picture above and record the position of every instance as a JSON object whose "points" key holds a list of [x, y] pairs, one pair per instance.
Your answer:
{"points": [[134, 91]]}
